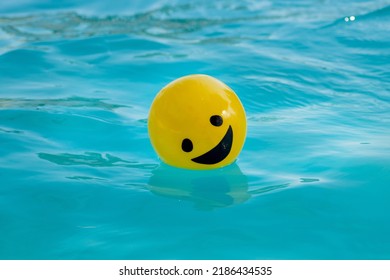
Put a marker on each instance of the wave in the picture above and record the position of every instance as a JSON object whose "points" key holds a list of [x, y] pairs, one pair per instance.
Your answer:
{"points": [[71, 102]]}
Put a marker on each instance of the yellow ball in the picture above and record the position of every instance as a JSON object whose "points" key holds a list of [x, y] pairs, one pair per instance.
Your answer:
{"points": [[197, 122]]}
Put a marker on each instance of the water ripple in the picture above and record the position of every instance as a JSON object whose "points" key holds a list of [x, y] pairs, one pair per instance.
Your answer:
{"points": [[175, 21], [71, 102], [93, 160]]}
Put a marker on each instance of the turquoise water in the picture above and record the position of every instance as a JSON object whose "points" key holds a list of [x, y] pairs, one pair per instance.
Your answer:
{"points": [[80, 180]]}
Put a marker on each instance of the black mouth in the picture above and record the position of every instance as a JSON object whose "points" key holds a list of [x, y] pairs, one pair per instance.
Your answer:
{"points": [[219, 152]]}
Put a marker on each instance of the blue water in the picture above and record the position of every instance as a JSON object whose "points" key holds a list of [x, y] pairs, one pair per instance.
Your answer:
{"points": [[79, 178]]}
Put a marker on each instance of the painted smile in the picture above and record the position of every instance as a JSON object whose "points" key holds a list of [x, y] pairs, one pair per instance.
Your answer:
{"points": [[219, 152]]}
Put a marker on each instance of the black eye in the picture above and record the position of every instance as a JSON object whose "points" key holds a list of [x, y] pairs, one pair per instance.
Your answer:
{"points": [[216, 120], [186, 145]]}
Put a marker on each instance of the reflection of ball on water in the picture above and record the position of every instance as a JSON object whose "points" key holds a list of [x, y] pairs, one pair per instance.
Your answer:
{"points": [[229, 186], [197, 122]]}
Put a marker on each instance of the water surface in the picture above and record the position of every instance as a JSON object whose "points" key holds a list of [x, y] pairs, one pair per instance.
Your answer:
{"points": [[80, 180]]}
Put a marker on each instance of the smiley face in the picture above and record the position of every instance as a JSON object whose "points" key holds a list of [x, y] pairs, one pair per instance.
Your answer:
{"points": [[197, 122]]}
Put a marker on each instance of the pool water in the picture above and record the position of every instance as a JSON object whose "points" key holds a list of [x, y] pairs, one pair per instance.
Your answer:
{"points": [[79, 178]]}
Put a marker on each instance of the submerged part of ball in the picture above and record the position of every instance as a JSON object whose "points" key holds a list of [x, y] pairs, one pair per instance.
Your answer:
{"points": [[197, 122]]}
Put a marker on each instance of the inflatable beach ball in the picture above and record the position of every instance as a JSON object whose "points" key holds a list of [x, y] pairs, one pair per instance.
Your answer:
{"points": [[197, 122]]}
